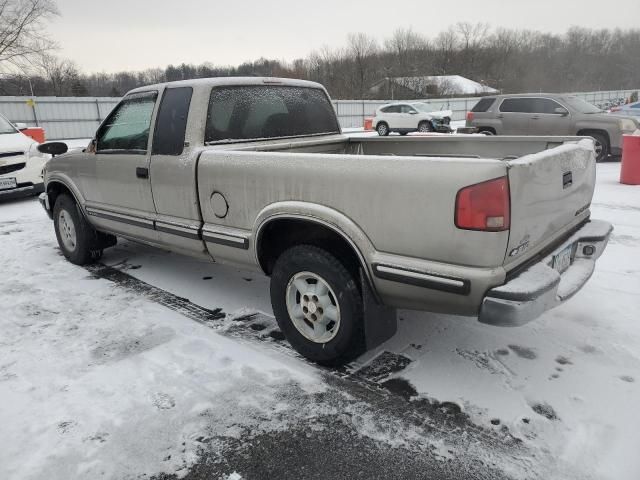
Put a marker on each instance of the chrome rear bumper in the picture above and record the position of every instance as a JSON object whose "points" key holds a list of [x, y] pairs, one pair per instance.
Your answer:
{"points": [[541, 287]]}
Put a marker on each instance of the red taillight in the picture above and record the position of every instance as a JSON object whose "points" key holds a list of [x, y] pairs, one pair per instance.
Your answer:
{"points": [[484, 206], [470, 116]]}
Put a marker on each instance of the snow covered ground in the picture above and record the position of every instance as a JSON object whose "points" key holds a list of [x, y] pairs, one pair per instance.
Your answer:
{"points": [[98, 381]]}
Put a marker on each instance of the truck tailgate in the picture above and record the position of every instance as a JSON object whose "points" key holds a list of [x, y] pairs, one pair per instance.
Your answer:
{"points": [[550, 194]]}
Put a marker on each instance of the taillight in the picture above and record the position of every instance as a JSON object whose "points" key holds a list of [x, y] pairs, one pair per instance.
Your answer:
{"points": [[470, 116], [484, 206]]}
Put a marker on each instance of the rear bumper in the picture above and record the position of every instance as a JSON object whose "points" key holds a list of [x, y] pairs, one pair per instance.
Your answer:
{"points": [[541, 287], [21, 192]]}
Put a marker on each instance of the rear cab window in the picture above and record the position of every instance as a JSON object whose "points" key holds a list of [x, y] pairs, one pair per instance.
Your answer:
{"points": [[483, 105], [255, 112]]}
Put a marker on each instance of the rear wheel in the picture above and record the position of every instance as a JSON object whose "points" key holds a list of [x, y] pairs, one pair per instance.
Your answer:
{"points": [[383, 129], [486, 131], [318, 305], [75, 235]]}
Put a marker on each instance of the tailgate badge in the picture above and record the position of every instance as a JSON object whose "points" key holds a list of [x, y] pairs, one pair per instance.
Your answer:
{"points": [[567, 180], [520, 248]]}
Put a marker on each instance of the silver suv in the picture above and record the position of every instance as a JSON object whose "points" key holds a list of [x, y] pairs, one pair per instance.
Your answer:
{"points": [[551, 114]]}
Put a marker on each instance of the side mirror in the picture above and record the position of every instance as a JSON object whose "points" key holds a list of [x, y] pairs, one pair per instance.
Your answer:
{"points": [[53, 148], [21, 126], [561, 111], [413, 112]]}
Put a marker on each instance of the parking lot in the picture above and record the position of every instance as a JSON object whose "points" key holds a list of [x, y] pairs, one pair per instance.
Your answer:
{"points": [[153, 364]]}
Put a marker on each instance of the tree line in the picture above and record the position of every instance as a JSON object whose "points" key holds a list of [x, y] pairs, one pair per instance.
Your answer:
{"points": [[509, 60]]}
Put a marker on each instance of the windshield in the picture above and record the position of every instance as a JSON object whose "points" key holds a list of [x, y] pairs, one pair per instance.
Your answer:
{"points": [[421, 107], [6, 127], [581, 106]]}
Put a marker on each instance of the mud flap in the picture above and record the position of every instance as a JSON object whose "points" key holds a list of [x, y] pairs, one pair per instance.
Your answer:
{"points": [[380, 321]]}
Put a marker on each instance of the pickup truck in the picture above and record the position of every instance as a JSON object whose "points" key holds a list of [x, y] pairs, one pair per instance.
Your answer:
{"points": [[256, 173]]}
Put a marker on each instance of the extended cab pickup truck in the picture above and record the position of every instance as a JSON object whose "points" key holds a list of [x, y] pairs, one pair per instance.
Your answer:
{"points": [[256, 173]]}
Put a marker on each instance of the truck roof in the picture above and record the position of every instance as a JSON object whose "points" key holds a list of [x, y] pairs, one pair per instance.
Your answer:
{"points": [[232, 81]]}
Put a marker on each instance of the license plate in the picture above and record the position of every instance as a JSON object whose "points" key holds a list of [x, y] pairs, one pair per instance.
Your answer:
{"points": [[562, 260], [7, 183]]}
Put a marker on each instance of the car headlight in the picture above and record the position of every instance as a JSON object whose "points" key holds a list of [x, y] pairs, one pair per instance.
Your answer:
{"points": [[627, 125]]}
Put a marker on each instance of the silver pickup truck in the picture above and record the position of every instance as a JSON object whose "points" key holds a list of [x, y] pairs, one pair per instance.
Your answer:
{"points": [[255, 172]]}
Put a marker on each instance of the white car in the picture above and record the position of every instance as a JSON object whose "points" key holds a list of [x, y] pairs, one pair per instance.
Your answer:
{"points": [[20, 163], [410, 117]]}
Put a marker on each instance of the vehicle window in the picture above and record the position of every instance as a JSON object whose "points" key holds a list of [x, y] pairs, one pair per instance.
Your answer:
{"points": [[392, 109], [407, 109], [517, 105], [545, 105], [6, 127], [255, 112], [637, 105], [127, 127], [483, 105], [171, 123], [580, 105]]}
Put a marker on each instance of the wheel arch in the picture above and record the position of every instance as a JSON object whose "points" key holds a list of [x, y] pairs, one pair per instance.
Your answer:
{"points": [[586, 132], [279, 231], [56, 187]]}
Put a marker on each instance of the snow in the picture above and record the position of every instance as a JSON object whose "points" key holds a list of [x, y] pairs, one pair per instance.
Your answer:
{"points": [[97, 381], [447, 84]]}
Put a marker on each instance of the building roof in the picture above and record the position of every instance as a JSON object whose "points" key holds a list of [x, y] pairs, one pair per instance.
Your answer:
{"points": [[446, 84]]}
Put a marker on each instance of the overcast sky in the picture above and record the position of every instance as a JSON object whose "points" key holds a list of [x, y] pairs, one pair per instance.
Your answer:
{"points": [[117, 35]]}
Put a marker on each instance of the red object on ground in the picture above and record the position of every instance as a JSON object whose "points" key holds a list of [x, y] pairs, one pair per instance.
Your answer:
{"points": [[630, 168], [368, 124], [37, 133]]}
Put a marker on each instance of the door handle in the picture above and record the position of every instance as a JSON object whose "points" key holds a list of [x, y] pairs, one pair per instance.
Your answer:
{"points": [[142, 172], [535, 118]]}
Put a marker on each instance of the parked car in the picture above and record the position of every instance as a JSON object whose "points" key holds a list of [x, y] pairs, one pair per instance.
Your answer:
{"points": [[551, 114], [410, 117], [256, 173], [630, 109], [20, 163]]}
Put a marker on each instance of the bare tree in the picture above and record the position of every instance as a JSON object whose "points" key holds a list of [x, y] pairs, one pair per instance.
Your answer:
{"points": [[21, 31], [61, 73], [362, 49], [405, 45]]}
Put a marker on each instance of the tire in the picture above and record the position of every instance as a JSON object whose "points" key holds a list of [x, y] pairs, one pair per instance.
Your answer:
{"points": [[424, 127], [383, 129], [487, 132], [312, 332], [602, 146], [75, 235]]}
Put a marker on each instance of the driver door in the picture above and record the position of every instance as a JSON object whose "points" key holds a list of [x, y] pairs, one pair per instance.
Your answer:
{"points": [[118, 189]]}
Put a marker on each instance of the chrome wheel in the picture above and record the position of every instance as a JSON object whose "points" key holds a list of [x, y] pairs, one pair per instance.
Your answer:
{"points": [[313, 307], [599, 148], [67, 230], [424, 127], [383, 130]]}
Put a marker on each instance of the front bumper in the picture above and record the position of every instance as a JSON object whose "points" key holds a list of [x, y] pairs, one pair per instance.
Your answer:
{"points": [[541, 287], [21, 191]]}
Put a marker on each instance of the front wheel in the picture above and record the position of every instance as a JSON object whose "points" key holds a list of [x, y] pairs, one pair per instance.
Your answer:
{"points": [[425, 127], [75, 235], [601, 147], [318, 305]]}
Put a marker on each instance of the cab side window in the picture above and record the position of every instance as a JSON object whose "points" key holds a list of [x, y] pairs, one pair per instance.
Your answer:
{"points": [[127, 127], [171, 122]]}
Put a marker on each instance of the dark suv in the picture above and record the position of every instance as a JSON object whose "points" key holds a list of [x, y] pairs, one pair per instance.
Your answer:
{"points": [[551, 114]]}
